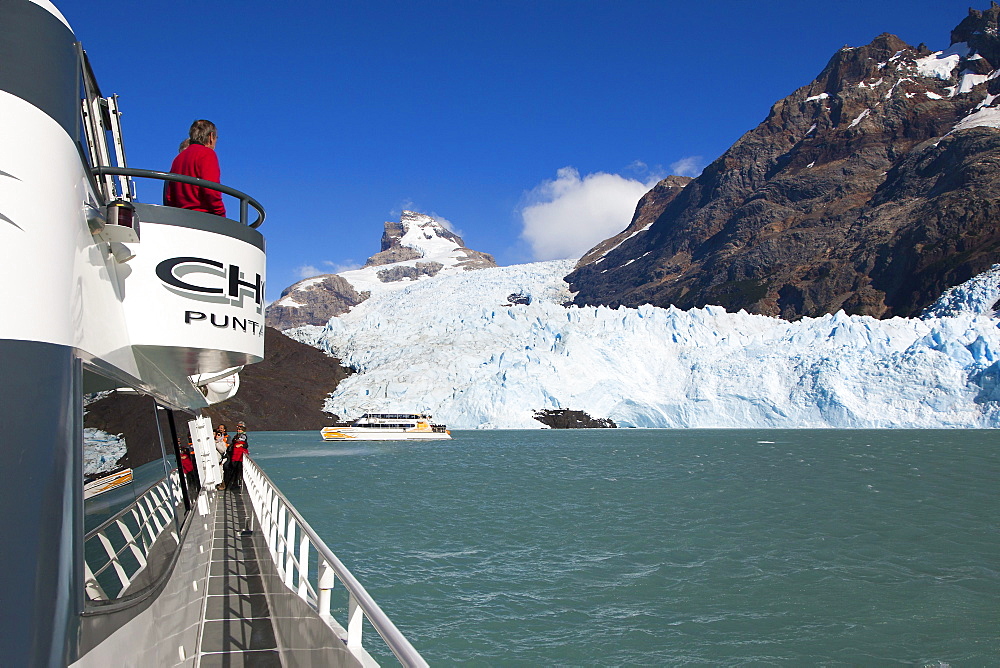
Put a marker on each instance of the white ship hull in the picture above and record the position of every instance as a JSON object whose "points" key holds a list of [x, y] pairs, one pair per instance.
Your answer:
{"points": [[388, 427], [376, 434]]}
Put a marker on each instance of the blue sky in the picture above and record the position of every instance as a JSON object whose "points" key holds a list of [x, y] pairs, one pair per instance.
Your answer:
{"points": [[489, 115]]}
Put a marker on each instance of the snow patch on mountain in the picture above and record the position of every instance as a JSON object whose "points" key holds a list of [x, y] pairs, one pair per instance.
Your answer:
{"points": [[436, 249], [424, 235], [988, 117], [416, 248], [456, 347], [941, 64]]}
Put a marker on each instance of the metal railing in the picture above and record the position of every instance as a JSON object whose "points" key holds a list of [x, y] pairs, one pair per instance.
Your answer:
{"points": [[289, 539], [150, 515], [245, 200]]}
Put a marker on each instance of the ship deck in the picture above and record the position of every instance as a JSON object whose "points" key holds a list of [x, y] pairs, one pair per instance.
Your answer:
{"points": [[227, 601], [237, 628]]}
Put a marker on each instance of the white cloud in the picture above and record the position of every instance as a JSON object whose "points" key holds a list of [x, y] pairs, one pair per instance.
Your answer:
{"points": [[338, 267], [307, 271], [645, 172], [689, 166], [405, 205], [568, 216]]}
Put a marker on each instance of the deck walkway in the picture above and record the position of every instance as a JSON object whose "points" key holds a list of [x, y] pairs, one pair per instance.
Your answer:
{"points": [[237, 629]]}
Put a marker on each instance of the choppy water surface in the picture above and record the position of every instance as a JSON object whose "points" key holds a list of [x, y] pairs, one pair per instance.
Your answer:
{"points": [[663, 547]]}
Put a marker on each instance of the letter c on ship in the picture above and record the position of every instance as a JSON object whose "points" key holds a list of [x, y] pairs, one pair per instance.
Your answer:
{"points": [[165, 272]]}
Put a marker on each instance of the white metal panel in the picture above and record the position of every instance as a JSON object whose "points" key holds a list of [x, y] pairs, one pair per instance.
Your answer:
{"points": [[43, 195], [213, 301], [206, 455]]}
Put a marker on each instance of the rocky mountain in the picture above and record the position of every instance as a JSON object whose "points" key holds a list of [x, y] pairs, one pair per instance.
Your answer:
{"points": [[286, 391], [313, 301], [415, 248], [872, 189]]}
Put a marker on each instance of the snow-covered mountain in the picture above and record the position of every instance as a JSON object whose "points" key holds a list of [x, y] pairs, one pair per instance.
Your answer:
{"points": [[416, 248], [485, 349]]}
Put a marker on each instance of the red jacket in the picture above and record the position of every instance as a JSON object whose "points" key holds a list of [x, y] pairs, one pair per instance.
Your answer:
{"points": [[199, 161], [238, 451]]}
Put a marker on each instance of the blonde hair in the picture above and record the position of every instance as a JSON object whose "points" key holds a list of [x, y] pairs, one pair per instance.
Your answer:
{"points": [[202, 131]]}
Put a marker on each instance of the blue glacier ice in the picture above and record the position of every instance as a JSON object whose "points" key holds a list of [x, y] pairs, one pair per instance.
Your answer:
{"points": [[454, 346]]}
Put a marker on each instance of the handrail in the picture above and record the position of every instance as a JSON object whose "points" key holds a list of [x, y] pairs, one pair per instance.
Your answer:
{"points": [[244, 199], [124, 511], [278, 518], [153, 514]]}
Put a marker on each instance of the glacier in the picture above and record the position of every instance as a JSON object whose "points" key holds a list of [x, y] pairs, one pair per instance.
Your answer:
{"points": [[101, 451], [459, 347]]}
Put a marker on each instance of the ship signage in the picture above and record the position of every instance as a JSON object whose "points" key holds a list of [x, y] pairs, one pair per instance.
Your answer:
{"points": [[210, 281], [194, 289], [224, 322]]}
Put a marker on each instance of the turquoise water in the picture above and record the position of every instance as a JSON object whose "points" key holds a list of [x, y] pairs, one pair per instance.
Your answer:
{"points": [[663, 547]]}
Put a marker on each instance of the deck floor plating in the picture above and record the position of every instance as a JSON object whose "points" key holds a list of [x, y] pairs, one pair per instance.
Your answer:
{"points": [[237, 629]]}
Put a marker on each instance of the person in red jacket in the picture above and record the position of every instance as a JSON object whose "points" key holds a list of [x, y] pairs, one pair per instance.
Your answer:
{"points": [[187, 465], [234, 467], [198, 160]]}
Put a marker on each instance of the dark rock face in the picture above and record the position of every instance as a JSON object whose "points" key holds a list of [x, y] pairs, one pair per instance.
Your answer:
{"points": [[474, 259], [285, 392], [390, 255], [406, 272], [861, 191], [979, 31], [319, 299], [518, 298], [564, 418]]}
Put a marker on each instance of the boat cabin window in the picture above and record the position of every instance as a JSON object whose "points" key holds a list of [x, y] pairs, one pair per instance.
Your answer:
{"points": [[133, 505]]}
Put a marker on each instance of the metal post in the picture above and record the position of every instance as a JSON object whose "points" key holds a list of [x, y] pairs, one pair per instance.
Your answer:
{"points": [[130, 541], [114, 115], [304, 567], [279, 561], [290, 553], [110, 550], [355, 621], [272, 525], [94, 591], [327, 578]]}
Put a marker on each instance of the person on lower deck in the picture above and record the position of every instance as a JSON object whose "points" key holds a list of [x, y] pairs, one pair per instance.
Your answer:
{"points": [[221, 441], [234, 467], [191, 475]]}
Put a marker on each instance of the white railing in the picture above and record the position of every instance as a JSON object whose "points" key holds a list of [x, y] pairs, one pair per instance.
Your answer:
{"points": [[150, 515], [290, 539]]}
